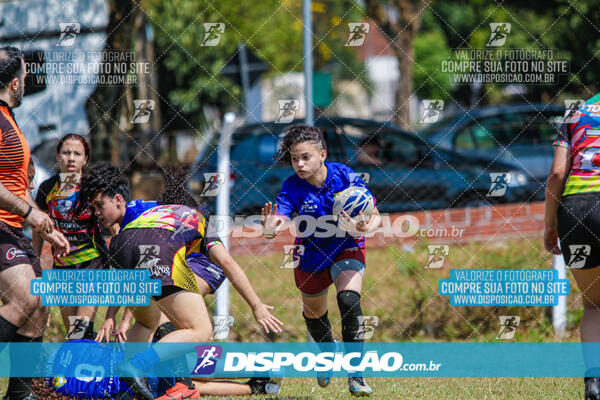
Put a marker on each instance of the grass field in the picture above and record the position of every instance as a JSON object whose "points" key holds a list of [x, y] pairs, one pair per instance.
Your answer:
{"points": [[445, 388], [448, 388], [403, 294], [431, 388]]}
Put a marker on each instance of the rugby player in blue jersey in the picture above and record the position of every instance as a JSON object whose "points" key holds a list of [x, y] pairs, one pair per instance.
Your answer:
{"points": [[337, 259]]}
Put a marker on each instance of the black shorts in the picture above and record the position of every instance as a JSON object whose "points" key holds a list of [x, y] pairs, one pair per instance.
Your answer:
{"points": [[16, 248], [153, 249], [164, 255], [167, 291], [579, 230]]}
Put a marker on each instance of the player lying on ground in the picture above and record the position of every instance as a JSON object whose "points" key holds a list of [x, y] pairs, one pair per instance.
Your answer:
{"points": [[325, 260], [173, 243]]}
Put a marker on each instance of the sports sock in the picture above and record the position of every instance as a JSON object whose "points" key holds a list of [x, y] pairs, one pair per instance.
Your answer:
{"points": [[187, 381], [145, 360], [89, 332], [177, 365], [20, 387]]}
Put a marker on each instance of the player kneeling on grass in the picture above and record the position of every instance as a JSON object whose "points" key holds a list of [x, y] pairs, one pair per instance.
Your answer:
{"points": [[337, 259], [172, 242]]}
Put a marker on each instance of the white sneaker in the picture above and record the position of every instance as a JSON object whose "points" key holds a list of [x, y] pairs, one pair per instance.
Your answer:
{"points": [[358, 386]]}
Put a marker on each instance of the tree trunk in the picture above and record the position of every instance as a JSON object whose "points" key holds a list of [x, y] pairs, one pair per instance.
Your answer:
{"points": [[401, 32], [105, 106], [404, 53], [148, 143]]}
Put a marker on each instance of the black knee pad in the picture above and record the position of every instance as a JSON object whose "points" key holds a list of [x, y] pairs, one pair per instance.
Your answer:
{"points": [[89, 331], [319, 328], [349, 304], [163, 330], [7, 330], [177, 365]]}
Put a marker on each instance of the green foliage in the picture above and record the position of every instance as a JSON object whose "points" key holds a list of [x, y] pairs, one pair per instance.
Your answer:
{"points": [[430, 50], [567, 28], [190, 73]]}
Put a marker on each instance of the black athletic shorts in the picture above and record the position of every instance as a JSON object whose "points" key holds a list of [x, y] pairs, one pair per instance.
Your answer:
{"points": [[16, 248], [579, 230], [152, 249]]}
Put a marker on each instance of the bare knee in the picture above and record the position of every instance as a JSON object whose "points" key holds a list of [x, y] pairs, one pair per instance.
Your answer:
{"points": [[314, 312], [314, 307], [23, 308], [204, 333], [36, 323], [30, 305], [198, 331]]}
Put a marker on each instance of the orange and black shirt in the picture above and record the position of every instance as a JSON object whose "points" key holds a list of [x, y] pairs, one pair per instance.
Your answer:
{"points": [[14, 161]]}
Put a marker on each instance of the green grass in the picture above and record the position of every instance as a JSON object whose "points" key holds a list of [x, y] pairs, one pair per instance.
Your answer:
{"points": [[403, 294], [441, 389], [429, 388]]}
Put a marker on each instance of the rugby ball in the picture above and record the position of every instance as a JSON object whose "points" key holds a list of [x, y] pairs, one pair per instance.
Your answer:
{"points": [[353, 200]]}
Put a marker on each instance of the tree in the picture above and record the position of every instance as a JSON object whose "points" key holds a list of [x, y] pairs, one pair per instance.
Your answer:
{"points": [[401, 27], [106, 106], [271, 29], [558, 25], [430, 49]]}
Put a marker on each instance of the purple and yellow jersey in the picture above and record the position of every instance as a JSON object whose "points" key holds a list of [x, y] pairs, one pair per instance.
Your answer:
{"points": [[580, 134], [191, 234], [299, 197], [187, 224], [134, 209], [58, 199]]}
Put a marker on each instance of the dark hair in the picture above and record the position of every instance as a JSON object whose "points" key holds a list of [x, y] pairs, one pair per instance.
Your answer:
{"points": [[75, 136], [297, 134], [175, 189], [11, 60], [102, 178]]}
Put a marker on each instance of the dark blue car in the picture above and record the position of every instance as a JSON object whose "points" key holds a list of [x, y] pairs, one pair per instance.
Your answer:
{"points": [[405, 172], [520, 135]]}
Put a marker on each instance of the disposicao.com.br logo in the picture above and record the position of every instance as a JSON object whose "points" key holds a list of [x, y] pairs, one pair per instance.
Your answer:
{"points": [[309, 359], [292, 363]]}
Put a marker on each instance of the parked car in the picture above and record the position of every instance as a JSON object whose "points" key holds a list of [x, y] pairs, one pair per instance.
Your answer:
{"points": [[520, 135], [405, 171]]}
